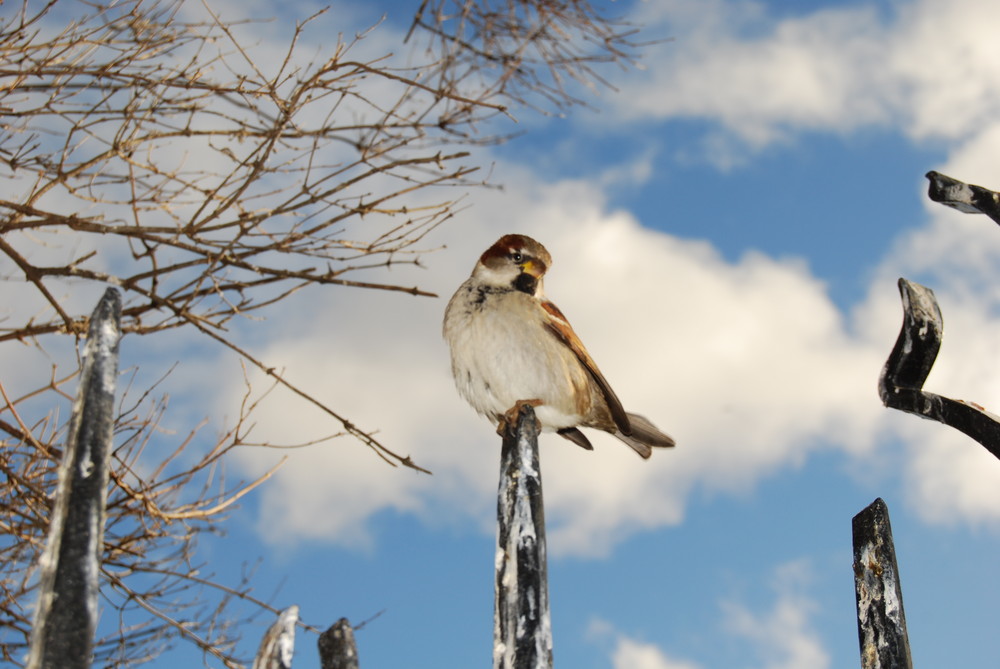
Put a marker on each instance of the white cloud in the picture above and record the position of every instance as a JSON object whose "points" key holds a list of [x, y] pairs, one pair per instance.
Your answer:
{"points": [[631, 654], [925, 67], [730, 62], [952, 481], [947, 59]]}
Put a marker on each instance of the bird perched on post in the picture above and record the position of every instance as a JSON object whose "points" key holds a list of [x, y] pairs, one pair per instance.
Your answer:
{"points": [[509, 345]]}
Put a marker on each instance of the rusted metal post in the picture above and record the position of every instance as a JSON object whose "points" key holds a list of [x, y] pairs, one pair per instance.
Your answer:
{"points": [[62, 635], [522, 628], [278, 645], [881, 621], [337, 649]]}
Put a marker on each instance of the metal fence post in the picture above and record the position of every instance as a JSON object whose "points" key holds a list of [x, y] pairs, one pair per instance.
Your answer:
{"points": [[62, 635], [278, 645], [337, 649], [881, 620], [902, 380], [522, 628]]}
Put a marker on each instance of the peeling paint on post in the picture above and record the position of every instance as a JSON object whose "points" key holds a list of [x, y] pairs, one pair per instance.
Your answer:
{"points": [[522, 628], [881, 620], [278, 645], [66, 612]]}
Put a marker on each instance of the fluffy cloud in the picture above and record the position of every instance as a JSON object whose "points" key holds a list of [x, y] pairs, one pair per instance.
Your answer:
{"points": [[631, 654], [730, 62], [924, 67]]}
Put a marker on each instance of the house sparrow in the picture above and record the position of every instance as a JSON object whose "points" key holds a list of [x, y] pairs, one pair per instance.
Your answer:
{"points": [[510, 345]]}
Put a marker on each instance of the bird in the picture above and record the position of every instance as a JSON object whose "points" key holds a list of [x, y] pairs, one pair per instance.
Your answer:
{"points": [[510, 345]]}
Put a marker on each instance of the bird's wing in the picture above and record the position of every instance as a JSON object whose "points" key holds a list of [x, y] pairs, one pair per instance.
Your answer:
{"points": [[563, 331]]}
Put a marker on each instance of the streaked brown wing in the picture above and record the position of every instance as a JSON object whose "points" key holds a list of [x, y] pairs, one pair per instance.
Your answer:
{"points": [[560, 327]]}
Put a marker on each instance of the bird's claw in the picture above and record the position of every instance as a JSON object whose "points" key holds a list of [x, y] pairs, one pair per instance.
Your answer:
{"points": [[510, 416]]}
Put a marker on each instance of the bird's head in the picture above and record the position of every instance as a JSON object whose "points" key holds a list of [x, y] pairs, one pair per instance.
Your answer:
{"points": [[514, 260]]}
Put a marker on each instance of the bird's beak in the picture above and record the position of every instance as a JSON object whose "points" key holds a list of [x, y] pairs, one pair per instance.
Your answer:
{"points": [[534, 268]]}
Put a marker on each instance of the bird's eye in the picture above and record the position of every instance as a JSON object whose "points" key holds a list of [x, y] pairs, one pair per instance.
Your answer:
{"points": [[516, 257]]}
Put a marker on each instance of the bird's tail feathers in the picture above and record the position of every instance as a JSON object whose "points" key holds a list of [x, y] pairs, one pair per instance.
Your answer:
{"points": [[645, 436]]}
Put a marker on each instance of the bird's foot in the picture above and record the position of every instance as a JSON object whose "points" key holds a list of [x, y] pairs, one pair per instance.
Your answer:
{"points": [[510, 416]]}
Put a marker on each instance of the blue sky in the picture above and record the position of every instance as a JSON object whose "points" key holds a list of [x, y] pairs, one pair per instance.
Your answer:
{"points": [[727, 229]]}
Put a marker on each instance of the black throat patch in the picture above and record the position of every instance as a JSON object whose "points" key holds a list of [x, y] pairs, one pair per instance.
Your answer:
{"points": [[483, 292], [526, 283]]}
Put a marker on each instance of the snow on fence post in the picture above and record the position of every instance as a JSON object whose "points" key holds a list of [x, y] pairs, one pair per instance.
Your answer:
{"points": [[337, 649], [278, 645], [881, 620], [522, 629], [65, 621]]}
